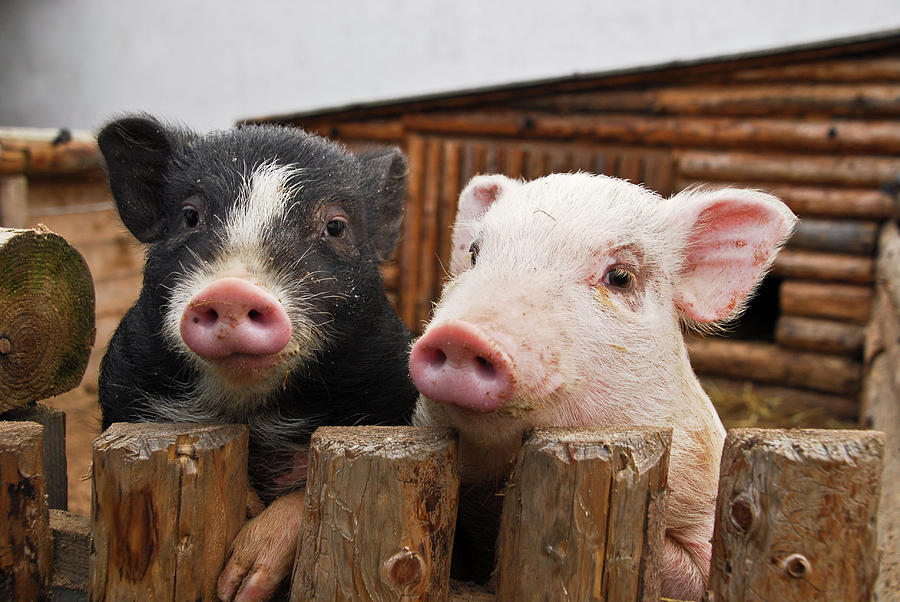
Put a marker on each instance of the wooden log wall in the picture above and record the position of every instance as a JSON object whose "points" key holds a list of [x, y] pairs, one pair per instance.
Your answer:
{"points": [[818, 128]]}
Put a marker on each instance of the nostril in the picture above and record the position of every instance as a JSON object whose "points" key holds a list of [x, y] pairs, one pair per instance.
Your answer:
{"points": [[205, 316], [484, 368], [255, 316], [434, 356]]}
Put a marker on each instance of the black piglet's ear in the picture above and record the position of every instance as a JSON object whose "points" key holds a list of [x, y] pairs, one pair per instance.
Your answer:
{"points": [[137, 152], [386, 171]]}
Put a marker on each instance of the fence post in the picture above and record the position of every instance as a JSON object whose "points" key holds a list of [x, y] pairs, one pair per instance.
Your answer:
{"points": [[46, 316], [380, 515], [584, 517], [167, 501], [796, 515], [25, 546], [55, 463]]}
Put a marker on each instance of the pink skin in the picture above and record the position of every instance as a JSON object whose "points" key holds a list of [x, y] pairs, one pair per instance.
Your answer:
{"points": [[237, 326], [456, 363]]}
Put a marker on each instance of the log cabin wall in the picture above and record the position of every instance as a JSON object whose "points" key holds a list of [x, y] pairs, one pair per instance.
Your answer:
{"points": [[820, 128]]}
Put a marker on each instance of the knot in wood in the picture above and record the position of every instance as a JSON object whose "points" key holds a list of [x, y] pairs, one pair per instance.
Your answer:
{"points": [[5, 346], [797, 566], [404, 570], [743, 513]]}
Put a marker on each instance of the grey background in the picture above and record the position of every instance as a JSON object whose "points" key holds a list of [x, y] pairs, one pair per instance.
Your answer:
{"points": [[208, 63]]}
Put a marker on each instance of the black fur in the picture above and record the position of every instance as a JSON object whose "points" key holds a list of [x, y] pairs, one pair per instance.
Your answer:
{"points": [[361, 376]]}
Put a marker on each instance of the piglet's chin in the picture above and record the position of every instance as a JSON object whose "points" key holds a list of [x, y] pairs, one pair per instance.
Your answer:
{"points": [[241, 369]]}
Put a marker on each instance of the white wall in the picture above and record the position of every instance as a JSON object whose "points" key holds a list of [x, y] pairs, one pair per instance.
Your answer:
{"points": [[207, 63]]}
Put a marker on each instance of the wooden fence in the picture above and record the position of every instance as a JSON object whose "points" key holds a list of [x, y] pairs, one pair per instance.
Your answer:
{"points": [[583, 516]]}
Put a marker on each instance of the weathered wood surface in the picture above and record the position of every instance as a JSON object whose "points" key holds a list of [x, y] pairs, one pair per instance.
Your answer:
{"points": [[824, 201], [819, 335], [796, 515], [681, 131], [847, 302], [838, 236], [25, 545], [880, 402], [842, 407], [584, 516], [762, 100], [55, 463], [863, 69], [769, 363], [13, 201], [380, 514], [37, 158], [814, 265], [167, 501], [46, 316], [71, 555], [848, 170]]}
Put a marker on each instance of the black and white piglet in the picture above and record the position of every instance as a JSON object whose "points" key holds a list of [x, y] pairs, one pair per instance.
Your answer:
{"points": [[262, 303]]}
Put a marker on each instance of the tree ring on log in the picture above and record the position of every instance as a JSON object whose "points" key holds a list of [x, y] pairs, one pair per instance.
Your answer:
{"points": [[46, 316]]}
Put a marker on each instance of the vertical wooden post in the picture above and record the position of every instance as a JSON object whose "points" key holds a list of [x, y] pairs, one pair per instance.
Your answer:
{"points": [[167, 501], [55, 464], [584, 517], [25, 546], [380, 515], [796, 515], [14, 202], [71, 556]]}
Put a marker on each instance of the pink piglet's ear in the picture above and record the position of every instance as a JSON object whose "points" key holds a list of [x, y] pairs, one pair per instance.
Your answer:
{"points": [[732, 238], [478, 195]]}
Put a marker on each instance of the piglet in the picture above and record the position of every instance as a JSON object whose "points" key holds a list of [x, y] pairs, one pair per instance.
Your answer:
{"points": [[565, 308], [262, 304]]}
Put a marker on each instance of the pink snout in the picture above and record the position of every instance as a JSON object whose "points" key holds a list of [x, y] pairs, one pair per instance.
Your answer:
{"points": [[232, 316], [456, 363]]}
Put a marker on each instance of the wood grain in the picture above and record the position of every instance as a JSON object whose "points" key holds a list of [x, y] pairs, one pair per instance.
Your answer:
{"points": [[167, 501], [380, 514], [796, 515], [583, 518]]}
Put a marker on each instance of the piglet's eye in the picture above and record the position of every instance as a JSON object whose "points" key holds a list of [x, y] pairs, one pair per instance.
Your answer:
{"points": [[620, 278], [335, 228], [191, 212]]}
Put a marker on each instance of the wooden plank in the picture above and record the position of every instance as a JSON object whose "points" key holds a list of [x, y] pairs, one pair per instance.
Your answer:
{"points": [[408, 254], [841, 407], [847, 236], [821, 201], [819, 335], [630, 167], [812, 265], [91, 227], [387, 131], [46, 316], [13, 201], [515, 162], [849, 302], [12, 162], [116, 295], [25, 563], [864, 69], [354, 545], [71, 555], [796, 515], [854, 170], [823, 135], [450, 191], [761, 100], [768, 363], [808, 201], [165, 484], [428, 249], [54, 423], [584, 516]]}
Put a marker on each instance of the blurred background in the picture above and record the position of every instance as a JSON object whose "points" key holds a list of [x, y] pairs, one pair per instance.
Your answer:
{"points": [[800, 98]]}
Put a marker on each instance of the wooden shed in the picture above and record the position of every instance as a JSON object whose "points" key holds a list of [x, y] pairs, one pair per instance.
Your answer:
{"points": [[818, 126]]}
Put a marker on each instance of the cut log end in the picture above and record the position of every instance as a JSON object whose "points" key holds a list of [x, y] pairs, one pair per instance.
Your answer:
{"points": [[46, 316]]}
